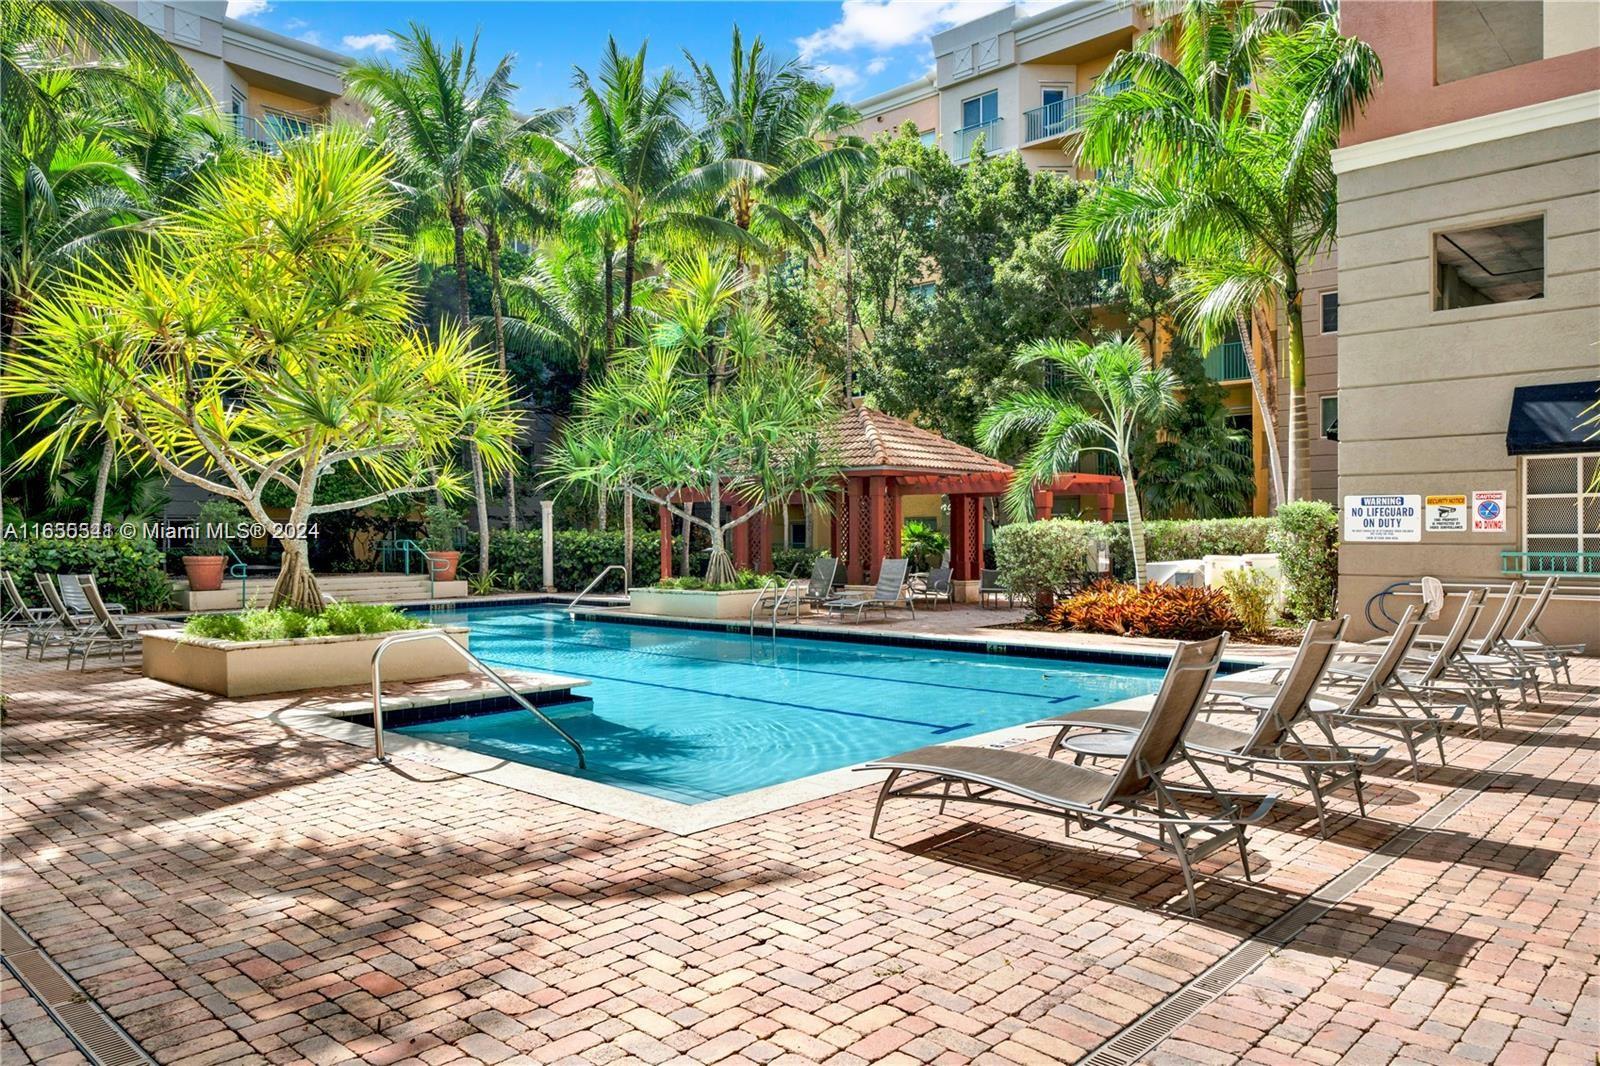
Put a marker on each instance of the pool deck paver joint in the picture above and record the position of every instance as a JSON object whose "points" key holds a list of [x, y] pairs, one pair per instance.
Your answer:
{"points": [[235, 889]]}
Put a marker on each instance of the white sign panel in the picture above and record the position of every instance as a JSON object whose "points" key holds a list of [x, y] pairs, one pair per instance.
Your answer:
{"points": [[1382, 519], [1445, 514], [1488, 512]]}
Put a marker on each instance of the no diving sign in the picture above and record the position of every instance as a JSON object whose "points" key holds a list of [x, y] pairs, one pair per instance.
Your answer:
{"points": [[1383, 519], [1488, 512]]}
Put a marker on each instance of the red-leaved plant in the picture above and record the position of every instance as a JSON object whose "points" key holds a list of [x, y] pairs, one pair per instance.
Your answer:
{"points": [[1168, 611]]}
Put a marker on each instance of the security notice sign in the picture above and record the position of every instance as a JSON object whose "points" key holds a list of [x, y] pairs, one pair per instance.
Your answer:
{"points": [[1445, 514], [1488, 512], [1383, 519]]}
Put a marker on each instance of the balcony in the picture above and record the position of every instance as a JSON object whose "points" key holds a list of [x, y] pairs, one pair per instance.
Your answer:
{"points": [[1228, 362], [1062, 117], [963, 139], [273, 129]]}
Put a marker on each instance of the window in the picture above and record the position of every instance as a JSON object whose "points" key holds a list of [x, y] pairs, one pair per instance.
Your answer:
{"points": [[1053, 94], [1330, 417], [1496, 264], [924, 292], [1472, 37], [980, 110], [1561, 512], [1330, 312], [928, 137], [281, 125]]}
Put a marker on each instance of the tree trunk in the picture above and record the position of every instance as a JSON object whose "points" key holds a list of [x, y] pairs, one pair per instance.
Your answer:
{"points": [[1269, 415], [492, 239], [297, 585], [108, 453], [481, 500], [458, 223], [627, 538], [605, 279], [628, 256], [601, 510], [1135, 524], [849, 326], [1299, 425]]}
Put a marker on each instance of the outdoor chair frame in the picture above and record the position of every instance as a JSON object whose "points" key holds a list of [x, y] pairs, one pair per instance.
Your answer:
{"points": [[891, 591]]}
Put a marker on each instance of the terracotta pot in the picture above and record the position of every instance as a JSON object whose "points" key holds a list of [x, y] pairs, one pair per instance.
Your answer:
{"points": [[1042, 602], [444, 565], [205, 572]]}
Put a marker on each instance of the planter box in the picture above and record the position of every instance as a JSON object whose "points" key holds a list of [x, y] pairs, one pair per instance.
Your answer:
{"points": [[254, 668], [691, 603]]}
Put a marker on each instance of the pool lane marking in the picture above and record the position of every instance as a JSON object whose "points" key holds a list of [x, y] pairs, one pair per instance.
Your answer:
{"points": [[821, 673], [932, 727]]}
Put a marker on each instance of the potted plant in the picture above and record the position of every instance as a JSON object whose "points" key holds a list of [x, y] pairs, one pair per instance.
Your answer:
{"points": [[439, 541], [218, 521]]}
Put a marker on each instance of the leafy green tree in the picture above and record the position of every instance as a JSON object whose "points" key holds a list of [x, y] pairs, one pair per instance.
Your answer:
{"points": [[261, 340], [1100, 398], [1223, 163], [1192, 463]]}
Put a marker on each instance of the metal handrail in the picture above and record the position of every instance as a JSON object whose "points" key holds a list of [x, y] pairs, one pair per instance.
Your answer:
{"points": [[770, 584], [597, 579], [431, 634], [242, 572], [406, 547]]}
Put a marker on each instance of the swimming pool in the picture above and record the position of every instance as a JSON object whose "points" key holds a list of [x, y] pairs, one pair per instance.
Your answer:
{"points": [[694, 715]]}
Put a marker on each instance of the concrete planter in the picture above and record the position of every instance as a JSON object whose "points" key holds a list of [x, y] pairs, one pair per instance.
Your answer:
{"points": [[693, 603], [255, 668]]}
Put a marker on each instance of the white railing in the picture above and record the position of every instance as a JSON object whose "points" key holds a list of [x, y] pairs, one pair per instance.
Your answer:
{"points": [[964, 139]]}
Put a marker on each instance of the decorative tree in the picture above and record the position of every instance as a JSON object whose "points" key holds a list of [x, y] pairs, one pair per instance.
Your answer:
{"points": [[1103, 396], [260, 339]]}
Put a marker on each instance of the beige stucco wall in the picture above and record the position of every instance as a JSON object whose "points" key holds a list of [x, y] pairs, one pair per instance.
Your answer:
{"points": [[1425, 395], [923, 113]]}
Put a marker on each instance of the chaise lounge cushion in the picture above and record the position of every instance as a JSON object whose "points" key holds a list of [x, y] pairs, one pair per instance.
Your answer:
{"points": [[1033, 776]]}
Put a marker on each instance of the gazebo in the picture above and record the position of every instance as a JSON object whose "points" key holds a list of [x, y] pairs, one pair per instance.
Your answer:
{"points": [[884, 459]]}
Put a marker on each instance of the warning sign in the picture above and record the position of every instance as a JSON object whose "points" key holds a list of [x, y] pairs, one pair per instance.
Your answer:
{"points": [[1488, 512], [1445, 514], [1383, 519]]}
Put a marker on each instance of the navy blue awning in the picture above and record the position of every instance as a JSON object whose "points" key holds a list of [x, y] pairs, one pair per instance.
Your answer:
{"points": [[1545, 419]]}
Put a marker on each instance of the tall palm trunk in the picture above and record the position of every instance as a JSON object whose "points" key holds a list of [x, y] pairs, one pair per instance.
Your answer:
{"points": [[481, 501], [492, 242], [458, 224], [1269, 413], [1299, 423], [1130, 492], [606, 272], [849, 324], [108, 453], [629, 258]]}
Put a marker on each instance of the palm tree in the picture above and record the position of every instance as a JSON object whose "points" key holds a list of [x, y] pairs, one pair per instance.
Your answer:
{"points": [[1227, 162], [441, 118], [1100, 399], [770, 138]]}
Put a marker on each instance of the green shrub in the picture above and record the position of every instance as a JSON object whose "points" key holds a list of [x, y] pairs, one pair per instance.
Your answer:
{"points": [[286, 623], [580, 554], [440, 524], [219, 522], [786, 561], [1253, 593], [129, 571], [1306, 540], [1170, 539], [742, 580], [1052, 556]]}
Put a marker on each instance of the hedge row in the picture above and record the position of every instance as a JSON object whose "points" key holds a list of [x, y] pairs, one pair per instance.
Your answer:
{"points": [[129, 571], [1054, 556]]}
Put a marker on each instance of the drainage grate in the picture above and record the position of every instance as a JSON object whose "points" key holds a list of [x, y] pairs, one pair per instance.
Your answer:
{"points": [[102, 1040], [1162, 1020]]}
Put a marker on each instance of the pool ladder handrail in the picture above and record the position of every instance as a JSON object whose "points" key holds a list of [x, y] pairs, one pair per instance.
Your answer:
{"points": [[768, 585], [482, 667], [599, 578]]}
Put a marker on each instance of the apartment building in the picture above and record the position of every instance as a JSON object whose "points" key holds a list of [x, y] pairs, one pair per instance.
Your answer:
{"points": [[1469, 284], [270, 85], [1019, 83]]}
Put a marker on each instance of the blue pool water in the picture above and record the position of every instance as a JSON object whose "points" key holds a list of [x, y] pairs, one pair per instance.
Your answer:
{"points": [[691, 715]]}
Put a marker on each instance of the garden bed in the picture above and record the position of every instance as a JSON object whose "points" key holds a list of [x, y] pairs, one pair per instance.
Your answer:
{"points": [[260, 667]]}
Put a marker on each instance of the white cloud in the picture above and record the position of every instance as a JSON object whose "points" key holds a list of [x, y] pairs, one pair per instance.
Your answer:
{"points": [[880, 25], [375, 42], [877, 66], [837, 74], [311, 37], [243, 9], [295, 24]]}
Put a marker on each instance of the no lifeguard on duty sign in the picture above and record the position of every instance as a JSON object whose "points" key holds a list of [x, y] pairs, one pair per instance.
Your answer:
{"points": [[1383, 519]]}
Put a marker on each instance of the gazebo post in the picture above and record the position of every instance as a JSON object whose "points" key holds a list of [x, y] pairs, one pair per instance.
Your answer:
{"points": [[855, 531], [761, 542], [878, 518], [1044, 502], [896, 524], [1107, 504], [666, 541], [836, 525], [960, 564]]}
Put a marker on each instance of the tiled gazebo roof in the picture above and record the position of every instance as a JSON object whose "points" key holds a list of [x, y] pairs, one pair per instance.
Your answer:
{"points": [[865, 440]]}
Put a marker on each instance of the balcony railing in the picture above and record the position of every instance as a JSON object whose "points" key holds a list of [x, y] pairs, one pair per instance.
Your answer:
{"points": [[1227, 362], [1572, 564], [269, 131], [1063, 116], [964, 138]]}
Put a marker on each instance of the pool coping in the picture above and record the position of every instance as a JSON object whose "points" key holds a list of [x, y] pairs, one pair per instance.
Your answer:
{"points": [[684, 819]]}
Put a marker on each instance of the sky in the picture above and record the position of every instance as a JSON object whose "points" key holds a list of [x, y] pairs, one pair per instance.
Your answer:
{"points": [[861, 46]]}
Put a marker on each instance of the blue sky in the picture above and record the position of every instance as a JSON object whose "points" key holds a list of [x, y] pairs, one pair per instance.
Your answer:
{"points": [[862, 46]]}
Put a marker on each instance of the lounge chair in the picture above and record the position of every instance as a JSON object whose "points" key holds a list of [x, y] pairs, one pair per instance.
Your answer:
{"points": [[33, 622], [934, 586], [1135, 801], [1386, 680], [1271, 742], [1528, 640], [109, 630], [68, 628], [819, 589], [890, 592], [77, 601], [990, 588]]}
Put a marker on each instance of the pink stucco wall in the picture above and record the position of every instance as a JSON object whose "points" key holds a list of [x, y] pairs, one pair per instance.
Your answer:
{"points": [[1402, 33]]}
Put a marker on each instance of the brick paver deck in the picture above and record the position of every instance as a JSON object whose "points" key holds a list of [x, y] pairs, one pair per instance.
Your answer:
{"points": [[233, 891]]}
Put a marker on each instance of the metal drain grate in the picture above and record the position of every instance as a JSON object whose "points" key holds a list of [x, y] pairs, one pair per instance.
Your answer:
{"points": [[1164, 1019], [102, 1040]]}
